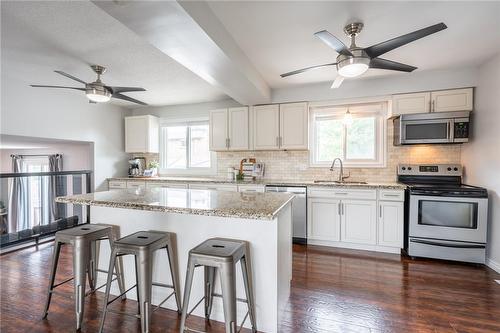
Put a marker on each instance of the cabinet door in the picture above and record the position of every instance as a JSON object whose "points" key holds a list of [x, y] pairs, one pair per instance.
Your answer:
{"points": [[266, 127], [136, 184], [452, 100], [411, 103], [238, 128], [293, 126], [117, 184], [218, 130], [358, 221], [390, 225], [136, 137], [323, 219]]}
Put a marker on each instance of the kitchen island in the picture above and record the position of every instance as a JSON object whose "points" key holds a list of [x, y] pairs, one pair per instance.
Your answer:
{"points": [[262, 219]]}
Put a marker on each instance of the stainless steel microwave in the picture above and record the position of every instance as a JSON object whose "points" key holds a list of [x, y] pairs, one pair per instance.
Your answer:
{"points": [[433, 127]]}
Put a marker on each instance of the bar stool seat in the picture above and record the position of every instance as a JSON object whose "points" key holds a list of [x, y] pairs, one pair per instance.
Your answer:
{"points": [[142, 245], [220, 254], [83, 238]]}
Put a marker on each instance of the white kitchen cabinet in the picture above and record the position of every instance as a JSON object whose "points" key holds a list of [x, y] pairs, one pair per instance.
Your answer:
{"points": [[135, 184], [229, 129], [358, 221], [411, 103], [142, 134], [251, 188], [117, 184], [452, 100], [294, 127], [218, 129], [323, 219], [390, 224], [266, 127], [150, 184], [217, 187]]}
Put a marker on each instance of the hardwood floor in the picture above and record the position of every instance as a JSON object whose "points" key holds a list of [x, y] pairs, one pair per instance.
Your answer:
{"points": [[333, 290]]}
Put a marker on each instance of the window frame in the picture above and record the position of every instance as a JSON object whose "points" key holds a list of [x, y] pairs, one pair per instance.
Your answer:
{"points": [[358, 110], [212, 170]]}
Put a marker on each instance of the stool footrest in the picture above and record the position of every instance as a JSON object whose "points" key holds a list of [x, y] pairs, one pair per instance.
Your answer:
{"points": [[162, 285], [242, 300], [124, 313], [123, 293], [161, 303], [96, 289], [63, 282]]}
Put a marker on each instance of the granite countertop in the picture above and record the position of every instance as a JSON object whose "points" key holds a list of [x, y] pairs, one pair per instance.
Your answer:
{"points": [[259, 206], [281, 182]]}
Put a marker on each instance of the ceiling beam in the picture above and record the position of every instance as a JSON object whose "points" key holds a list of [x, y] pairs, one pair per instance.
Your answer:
{"points": [[191, 34]]}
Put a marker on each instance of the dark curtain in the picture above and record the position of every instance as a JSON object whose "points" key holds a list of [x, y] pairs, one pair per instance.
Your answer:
{"points": [[19, 199], [49, 190]]}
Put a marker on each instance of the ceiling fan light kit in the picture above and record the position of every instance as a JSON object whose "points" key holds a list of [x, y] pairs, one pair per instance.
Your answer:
{"points": [[98, 92], [354, 61]]}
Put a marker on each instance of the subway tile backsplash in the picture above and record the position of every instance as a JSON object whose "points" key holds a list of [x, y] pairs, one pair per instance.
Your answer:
{"points": [[294, 165]]}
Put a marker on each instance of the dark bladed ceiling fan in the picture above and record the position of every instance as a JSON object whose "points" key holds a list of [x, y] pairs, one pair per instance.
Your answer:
{"points": [[98, 92], [353, 61]]}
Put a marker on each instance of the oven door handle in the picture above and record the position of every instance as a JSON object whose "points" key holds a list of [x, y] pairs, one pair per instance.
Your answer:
{"points": [[460, 246]]}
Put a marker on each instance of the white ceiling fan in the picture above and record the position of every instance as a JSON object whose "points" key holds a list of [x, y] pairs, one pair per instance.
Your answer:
{"points": [[353, 61]]}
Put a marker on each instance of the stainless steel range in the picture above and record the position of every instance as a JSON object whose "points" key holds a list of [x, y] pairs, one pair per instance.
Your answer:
{"points": [[445, 219]]}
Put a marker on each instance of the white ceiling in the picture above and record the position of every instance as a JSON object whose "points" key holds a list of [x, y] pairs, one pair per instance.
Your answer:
{"points": [[278, 36], [70, 35]]}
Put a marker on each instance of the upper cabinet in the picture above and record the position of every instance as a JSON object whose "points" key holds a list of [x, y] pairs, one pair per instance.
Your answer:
{"points": [[142, 134], [435, 101], [283, 126], [452, 100], [266, 127], [229, 129], [293, 126]]}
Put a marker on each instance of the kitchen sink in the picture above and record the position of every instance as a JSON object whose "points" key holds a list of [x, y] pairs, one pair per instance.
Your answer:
{"points": [[347, 182]]}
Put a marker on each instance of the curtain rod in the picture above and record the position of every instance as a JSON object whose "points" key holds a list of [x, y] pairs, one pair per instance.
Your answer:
{"points": [[34, 155]]}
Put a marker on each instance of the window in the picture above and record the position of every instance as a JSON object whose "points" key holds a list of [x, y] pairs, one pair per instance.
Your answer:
{"points": [[185, 148], [359, 144]]}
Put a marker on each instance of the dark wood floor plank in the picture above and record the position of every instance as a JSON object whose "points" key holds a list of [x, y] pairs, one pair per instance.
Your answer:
{"points": [[333, 290]]}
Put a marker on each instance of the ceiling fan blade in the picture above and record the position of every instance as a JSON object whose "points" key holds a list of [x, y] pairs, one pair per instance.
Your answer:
{"points": [[70, 76], [44, 86], [390, 65], [337, 82], [306, 69], [333, 42], [384, 47], [126, 98], [123, 89]]}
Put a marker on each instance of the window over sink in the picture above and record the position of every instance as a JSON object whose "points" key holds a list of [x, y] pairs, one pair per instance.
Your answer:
{"points": [[359, 142], [184, 148]]}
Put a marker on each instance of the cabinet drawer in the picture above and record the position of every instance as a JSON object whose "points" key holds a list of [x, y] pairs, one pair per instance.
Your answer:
{"points": [[341, 193], [135, 184], [250, 188], [165, 185], [391, 195], [117, 184], [217, 187]]}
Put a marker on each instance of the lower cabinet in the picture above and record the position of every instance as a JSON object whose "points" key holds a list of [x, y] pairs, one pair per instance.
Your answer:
{"points": [[323, 219], [358, 221], [390, 226]]}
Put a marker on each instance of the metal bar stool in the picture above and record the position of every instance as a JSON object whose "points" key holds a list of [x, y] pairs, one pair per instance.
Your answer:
{"points": [[220, 254], [83, 238], [142, 245]]}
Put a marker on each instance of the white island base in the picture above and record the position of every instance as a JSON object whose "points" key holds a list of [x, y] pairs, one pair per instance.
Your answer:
{"points": [[270, 252]]}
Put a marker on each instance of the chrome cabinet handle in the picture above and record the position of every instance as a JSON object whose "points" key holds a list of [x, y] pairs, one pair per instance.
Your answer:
{"points": [[380, 211], [433, 107], [338, 206], [391, 195], [341, 193]]}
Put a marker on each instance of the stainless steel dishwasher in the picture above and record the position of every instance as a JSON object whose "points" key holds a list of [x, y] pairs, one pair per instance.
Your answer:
{"points": [[299, 210]]}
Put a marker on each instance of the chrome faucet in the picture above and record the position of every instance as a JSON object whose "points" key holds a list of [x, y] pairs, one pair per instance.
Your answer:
{"points": [[341, 173]]}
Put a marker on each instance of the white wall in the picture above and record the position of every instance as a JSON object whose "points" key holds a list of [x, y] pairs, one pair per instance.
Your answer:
{"points": [[65, 115], [380, 86], [185, 110], [481, 157]]}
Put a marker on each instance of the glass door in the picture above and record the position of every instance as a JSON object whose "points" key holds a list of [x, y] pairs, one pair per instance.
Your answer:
{"points": [[426, 131], [449, 218]]}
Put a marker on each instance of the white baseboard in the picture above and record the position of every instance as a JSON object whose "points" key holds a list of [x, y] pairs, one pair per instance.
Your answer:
{"points": [[353, 246], [493, 265]]}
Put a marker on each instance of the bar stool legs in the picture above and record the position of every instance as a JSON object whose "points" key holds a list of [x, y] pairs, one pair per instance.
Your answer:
{"points": [[53, 270], [144, 268], [220, 255], [80, 263]]}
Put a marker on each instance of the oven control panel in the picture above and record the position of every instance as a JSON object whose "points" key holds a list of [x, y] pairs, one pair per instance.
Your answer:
{"points": [[430, 169]]}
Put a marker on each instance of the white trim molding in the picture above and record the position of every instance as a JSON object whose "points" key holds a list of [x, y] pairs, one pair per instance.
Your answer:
{"points": [[493, 265]]}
